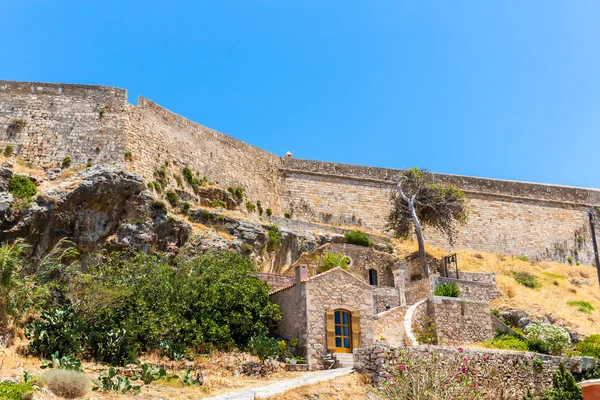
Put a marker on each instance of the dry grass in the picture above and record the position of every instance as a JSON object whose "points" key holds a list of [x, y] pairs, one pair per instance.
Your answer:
{"points": [[353, 386], [68, 384], [555, 279]]}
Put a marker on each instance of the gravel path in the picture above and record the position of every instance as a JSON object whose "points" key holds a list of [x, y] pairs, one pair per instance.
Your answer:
{"points": [[279, 387]]}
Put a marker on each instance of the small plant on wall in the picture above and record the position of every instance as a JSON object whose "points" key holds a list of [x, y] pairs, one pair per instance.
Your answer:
{"points": [[447, 290], [332, 260]]}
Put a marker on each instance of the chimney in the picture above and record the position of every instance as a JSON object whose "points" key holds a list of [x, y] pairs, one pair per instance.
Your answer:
{"points": [[301, 273]]}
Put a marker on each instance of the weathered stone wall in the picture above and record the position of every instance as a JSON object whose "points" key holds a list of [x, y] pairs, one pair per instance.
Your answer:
{"points": [[336, 289], [417, 290], [46, 122], [460, 321], [156, 136], [482, 277], [498, 372], [385, 298], [292, 303], [535, 220], [470, 290], [389, 326]]}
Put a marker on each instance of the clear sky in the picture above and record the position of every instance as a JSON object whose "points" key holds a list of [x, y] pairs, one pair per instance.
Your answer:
{"points": [[503, 89]]}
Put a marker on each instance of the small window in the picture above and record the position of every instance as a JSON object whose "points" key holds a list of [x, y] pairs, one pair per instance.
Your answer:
{"points": [[373, 277]]}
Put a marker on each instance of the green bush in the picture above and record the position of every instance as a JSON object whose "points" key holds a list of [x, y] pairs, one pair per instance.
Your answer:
{"points": [[331, 260], [109, 381], [172, 198], [22, 187], [564, 386], [9, 150], [269, 212], [357, 237], [287, 215], [582, 306], [218, 204], [108, 343], [259, 207], [250, 207], [56, 332], [128, 156], [590, 346], [526, 279], [237, 192], [149, 373], [447, 290], [506, 342], [67, 383], [158, 207], [547, 339], [14, 391], [274, 238], [64, 362], [264, 347], [185, 207], [66, 162]]}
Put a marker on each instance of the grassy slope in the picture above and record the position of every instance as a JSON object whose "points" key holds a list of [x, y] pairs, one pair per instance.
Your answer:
{"points": [[555, 279]]}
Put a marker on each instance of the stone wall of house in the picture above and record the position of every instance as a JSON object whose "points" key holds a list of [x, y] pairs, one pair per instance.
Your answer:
{"points": [[293, 324], [158, 137], [417, 290], [470, 290], [335, 289], [535, 220], [46, 122], [500, 373], [460, 321], [389, 326], [385, 298]]}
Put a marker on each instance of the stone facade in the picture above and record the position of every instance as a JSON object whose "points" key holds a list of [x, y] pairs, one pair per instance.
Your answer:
{"points": [[480, 291], [498, 372], [47, 122], [459, 321], [417, 290]]}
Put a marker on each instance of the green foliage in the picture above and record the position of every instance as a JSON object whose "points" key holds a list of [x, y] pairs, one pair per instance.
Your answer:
{"points": [[109, 343], [564, 386], [64, 362], [161, 176], [188, 175], [158, 207], [269, 212], [179, 180], [128, 156], [66, 162], [172, 198], [110, 382], [185, 207], [149, 373], [506, 342], [331, 260], [218, 204], [538, 364], [88, 164], [590, 346], [250, 207], [194, 182], [299, 359], [526, 279], [57, 332], [22, 187], [274, 238], [426, 332], [14, 391], [259, 207], [287, 215], [187, 378], [582, 306], [570, 260], [264, 347], [357, 237], [237, 192], [547, 339], [9, 150], [447, 290]]}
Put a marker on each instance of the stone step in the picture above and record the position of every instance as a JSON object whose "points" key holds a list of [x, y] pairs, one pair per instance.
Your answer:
{"points": [[344, 360]]}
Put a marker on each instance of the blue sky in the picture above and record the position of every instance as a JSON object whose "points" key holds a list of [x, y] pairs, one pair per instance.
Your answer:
{"points": [[503, 89]]}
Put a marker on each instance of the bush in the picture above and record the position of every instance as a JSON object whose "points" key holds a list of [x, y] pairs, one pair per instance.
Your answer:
{"points": [[274, 238], [357, 237], [507, 342], [264, 347], [547, 339], [9, 150], [149, 373], [564, 386], [269, 212], [128, 156], [14, 391], [447, 290], [66, 162], [259, 207], [66, 383], [185, 207], [250, 207], [331, 260], [582, 306], [56, 332], [237, 192], [287, 214], [118, 385], [218, 204], [64, 362], [590, 346], [526, 279], [22, 187], [172, 198], [158, 207]]}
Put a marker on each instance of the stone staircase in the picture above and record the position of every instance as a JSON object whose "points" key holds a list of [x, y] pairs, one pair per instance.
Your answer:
{"points": [[344, 360]]}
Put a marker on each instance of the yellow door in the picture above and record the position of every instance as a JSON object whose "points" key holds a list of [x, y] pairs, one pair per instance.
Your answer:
{"points": [[343, 331]]}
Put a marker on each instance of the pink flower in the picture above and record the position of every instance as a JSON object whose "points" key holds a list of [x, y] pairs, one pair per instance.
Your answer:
{"points": [[403, 367], [463, 369], [460, 349], [465, 359]]}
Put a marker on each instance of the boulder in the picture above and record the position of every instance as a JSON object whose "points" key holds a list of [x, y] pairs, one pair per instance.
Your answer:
{"points": [[514, 316]]}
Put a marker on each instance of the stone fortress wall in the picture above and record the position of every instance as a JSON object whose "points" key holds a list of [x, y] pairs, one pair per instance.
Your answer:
{"points": [[46, 122]]}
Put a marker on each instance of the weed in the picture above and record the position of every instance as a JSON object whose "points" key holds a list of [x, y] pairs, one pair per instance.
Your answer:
{"points": [[447, 290], [128, 156], [582, 306], [521, 257], [237, 192], [172, 198], [218, 204], [158, 207], [274, 238], [9, 150], [185, 207], [250, 207], [331, 260], [66, 162], [570, 260], [287, 215], [526, 279], [269, 212]]}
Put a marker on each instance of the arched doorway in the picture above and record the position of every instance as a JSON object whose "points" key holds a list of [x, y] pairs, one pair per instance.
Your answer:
{"points": [[343, 331]]}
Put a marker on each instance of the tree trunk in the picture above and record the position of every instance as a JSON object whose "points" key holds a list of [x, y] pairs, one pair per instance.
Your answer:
{"points": [[420, 238]]}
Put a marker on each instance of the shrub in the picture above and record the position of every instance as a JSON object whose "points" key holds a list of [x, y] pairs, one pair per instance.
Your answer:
{"points": [[570, 260], [118, 385], [582, 306], [269, 212], [67, 383], [188, 175], [264, 347], [64, 362], [218, 204], [149, 373], [250, 207], [22, 187], [56, 332], [287, 214], [447, 290], [161, 176], [547, 339], [273, 238], [14, 391], [172, 198], [108, 343], [590, 346], [185, 207], [158, 207], [9, 150], [237, 192], [179, 180], [564, 386], [526, 279], [66, 162], [331, 260], [507, 342], [128, 156], [357, 237], [259, 207]]}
